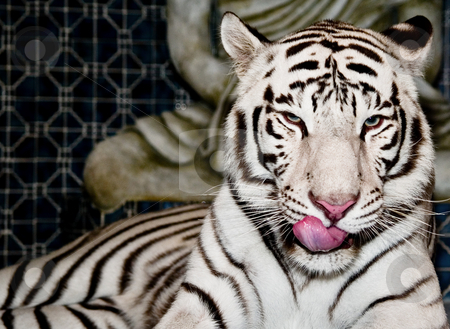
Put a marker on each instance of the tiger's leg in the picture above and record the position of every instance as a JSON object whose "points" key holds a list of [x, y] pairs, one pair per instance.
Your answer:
{"points": [[100, 314], [416, 308], [392, 315], [103, 263]]}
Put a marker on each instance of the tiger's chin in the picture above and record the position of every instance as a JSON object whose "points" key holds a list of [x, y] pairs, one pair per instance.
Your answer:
{"points": [[321, 263]]}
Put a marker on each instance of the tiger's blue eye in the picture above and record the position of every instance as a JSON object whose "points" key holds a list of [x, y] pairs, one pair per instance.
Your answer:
{"points": [[373, 122], [293, 118]]}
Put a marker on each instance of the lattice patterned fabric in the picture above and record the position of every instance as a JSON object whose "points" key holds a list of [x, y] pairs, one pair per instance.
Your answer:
{"points": [[99, 66]]}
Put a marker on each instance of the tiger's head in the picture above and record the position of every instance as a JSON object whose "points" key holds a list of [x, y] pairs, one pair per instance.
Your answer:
{"points": [[327, 138]]}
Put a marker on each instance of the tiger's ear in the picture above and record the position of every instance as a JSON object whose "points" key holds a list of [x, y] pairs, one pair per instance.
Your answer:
{"points": [[240, 41], [411, 42]]}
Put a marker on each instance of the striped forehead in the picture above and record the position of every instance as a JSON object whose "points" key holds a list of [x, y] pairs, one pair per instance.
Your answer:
{"points": [[329, 63], [310, 50]]}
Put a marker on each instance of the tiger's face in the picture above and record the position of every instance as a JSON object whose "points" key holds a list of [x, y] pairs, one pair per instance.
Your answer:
{"points": [[327, 125]]}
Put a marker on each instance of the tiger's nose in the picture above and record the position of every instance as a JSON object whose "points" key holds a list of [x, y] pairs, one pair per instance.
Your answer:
{"points": [[335, 212]]}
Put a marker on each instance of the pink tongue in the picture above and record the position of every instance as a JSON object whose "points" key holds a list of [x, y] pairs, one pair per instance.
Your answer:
{"points": [[316, 237]]}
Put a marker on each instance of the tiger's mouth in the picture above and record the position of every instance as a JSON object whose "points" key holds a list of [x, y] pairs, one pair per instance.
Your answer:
{"points": [[346, 244], [313, 235]]}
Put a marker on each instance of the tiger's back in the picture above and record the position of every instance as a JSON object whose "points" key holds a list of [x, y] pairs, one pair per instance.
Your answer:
{"points": [[122, 276]]}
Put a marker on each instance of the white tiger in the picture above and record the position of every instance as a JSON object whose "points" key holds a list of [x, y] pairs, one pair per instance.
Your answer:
{"points": [[329, 167], [323, 220]]}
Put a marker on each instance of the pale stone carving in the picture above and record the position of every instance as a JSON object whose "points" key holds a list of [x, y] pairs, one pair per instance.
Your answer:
{"points": [[159, 159]]}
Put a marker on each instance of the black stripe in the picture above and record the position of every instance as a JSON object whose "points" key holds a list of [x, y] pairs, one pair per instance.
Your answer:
{"points": [[153, 319], [208, 301], [156, 277], [191, 236], [268, 94], [392, 143], [128, 266], [240, 145], [163, 279], [14, 284], [298, 48], [317, 28], [352, 279], [332, 45], [41, 319], [372, 36], [319, 79], [384, 105], [269, 129], [327, 97], [96, 307], [302, 37], [108, 300], [265, 231], [354, 105], [174, 274], [50, 265], [328, 62], [307, 65], [280, 170], [241, 138], [107, 308], [83, 318], [392, 218], [238, 265], [8, 319], [416, 141], [366, 52], [241, 142], [255, 121], [361, 68], [285, 126], [364, 40], [269, 158], [255, 32], [383, 130], [403, 295], [242, 301], [368, 214], [285, 99], [297, 84], [269, 73], [391, 164], [431, 232], [366, 88], [394, 95], [314, 103]]}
